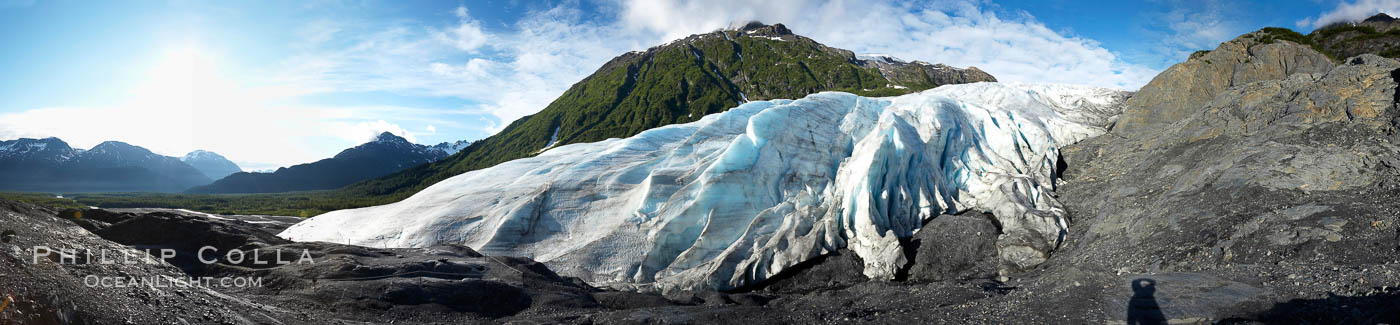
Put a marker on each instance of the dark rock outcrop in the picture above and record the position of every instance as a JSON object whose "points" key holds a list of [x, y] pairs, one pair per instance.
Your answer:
{"points": [[839, 269], [916, 72], [954, 247]]}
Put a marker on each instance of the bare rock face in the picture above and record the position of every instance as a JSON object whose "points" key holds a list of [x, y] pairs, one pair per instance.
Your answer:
{"points": [[761, 29], [1274, 146], [918, 72], [1185, 87], [1280, 189]]}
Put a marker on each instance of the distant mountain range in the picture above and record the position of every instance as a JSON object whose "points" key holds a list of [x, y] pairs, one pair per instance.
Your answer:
{"points": [[211, 164], [51, 165], [680, 82], [386, 154]]}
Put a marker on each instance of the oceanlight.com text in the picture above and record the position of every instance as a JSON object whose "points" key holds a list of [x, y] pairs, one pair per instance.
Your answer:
{"points": [[93, 281]]}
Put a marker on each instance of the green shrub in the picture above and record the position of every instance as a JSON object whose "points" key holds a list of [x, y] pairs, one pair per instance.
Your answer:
{"points": [[1273, 34], [1332, 31], [44, 199], [1199, 54]]}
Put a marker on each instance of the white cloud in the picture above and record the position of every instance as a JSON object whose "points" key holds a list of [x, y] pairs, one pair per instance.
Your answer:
{"points": [[1179, 28], [1352, 11], [541, 55], [466, 36], [363, 131]]}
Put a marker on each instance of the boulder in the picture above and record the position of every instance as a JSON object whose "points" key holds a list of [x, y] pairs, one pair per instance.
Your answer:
{"points": [[954, 247]]}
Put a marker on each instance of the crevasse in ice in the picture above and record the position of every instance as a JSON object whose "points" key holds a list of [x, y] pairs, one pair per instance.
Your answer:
{"points": [[739, 196]]}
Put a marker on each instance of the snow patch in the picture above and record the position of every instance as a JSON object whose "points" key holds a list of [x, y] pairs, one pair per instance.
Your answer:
{"points": [[206, 215], [738, 196], [553, 139], [879, 57]]}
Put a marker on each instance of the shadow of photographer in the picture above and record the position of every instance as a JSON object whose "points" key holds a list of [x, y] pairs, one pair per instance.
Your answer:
{"points": [[1142, 307]]}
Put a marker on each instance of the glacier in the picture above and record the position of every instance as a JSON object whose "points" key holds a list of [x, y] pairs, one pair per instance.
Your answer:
{"points": [[739, 196]]}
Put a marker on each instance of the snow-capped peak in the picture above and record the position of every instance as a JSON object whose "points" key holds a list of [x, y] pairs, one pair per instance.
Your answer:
{"points": [[213, 165], [389, 137], [451, 148], [50, 148], [201, 155], [120, 150]]}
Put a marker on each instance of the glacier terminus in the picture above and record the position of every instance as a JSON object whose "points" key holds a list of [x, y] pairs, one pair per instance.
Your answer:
{"points": [[739, 196]]}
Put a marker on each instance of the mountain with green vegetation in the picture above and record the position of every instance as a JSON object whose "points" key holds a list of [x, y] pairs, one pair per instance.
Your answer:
{"points": [[1378, 35], [680, 82]]}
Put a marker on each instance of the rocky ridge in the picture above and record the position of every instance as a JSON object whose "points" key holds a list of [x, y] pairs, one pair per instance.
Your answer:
{"points": [[1378, 35], [386, 153], [1185, 87]]}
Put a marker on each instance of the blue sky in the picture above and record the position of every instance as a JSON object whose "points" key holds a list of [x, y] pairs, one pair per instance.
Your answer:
{"points": [[275, 83]]}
